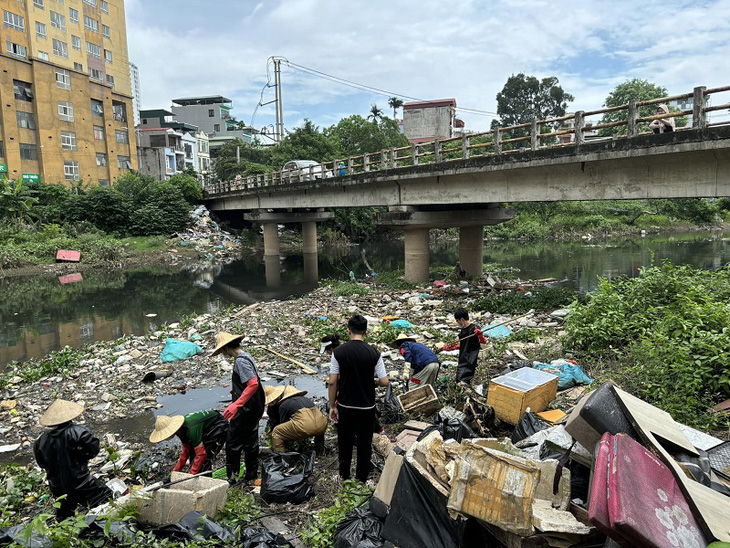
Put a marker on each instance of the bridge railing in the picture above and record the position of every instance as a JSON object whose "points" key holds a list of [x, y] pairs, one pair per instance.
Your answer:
{"points": [[565, 131]]}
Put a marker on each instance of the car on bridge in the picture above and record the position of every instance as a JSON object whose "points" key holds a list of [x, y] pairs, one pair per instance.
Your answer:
{"points": [[304, 170]]}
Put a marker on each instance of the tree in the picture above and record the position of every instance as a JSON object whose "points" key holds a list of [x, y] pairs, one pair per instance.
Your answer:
{"points": [[525, 98], [15, 201], [640, 90], [189, 186], [253, 156], [395, 103], [376, 113], [354, 135], [303, 143]]}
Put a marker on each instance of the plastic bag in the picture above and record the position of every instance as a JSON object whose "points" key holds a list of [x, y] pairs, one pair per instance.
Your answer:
{"points": [[359, 528], [529, 424], [120, 531], [452, 428], [261, 537], [195, 526], [569, 374], [16, 533], [390, 410], [284, 477], [179, 350]]}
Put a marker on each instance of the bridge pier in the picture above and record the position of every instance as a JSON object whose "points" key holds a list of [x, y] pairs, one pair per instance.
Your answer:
{"points": [[309, 237], [271, 219], [272, 268], [416, 224], [311, 267], [271, 239]]}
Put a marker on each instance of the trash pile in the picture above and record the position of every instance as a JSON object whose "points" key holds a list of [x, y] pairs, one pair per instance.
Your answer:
{"points": [[613, 467], [207, 237]]}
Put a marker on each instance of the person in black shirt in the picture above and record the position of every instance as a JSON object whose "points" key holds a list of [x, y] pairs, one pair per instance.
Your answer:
{"points": [[292, 417], [353, 370], [470, 339]]}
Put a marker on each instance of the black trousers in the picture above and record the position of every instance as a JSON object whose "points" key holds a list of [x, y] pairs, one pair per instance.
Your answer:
{"points": [[214, 437], [92, 492], [355, 427], [243, 437], [467, 366]]}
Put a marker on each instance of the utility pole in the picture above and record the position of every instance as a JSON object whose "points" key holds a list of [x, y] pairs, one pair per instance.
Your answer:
{"points": [[279, 107]]}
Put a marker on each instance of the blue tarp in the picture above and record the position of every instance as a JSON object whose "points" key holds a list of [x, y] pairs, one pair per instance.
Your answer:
{"points": [[497, 331], [568, 374], [401, 324], [179, 350]]}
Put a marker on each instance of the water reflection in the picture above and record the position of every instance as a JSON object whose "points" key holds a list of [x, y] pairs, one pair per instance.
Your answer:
{"points": [[39, 314]]}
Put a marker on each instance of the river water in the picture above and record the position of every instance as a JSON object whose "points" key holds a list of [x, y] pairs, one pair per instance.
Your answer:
{"points": [[39, 314]]}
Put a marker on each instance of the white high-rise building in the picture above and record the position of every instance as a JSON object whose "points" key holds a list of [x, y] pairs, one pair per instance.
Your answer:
{"points": [[136, 92]]}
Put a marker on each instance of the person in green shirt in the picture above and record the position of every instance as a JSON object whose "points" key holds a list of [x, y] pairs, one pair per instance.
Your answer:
{"points": [[202, 434]]}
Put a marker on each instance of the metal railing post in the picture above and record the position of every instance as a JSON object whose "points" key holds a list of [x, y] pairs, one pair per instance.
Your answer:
{"points": [[497, 140], [534, 141], [699, 102], [464, 147], [632, 120], [579, 124], [437, 151]]}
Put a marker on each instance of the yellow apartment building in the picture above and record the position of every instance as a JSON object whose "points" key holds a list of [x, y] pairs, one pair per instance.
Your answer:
{"points": [[65, 93]]}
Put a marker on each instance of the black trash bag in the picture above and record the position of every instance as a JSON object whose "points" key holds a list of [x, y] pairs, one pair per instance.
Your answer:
{"points": [[390, 410], [120, 531], [580, 476], [14, 534], [453, 429], [378, 507], [284, 477], [195, 526], [529, 424], [360, 528], [261, 537]]}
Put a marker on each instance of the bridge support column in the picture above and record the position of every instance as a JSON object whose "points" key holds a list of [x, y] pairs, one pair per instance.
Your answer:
{"points": [[272, 266], [309, 237], [271, 239], [416, 254], [471, 249], [311, 268]]}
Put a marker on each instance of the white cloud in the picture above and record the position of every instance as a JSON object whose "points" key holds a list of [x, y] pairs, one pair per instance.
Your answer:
{"points": [[425, 49]]}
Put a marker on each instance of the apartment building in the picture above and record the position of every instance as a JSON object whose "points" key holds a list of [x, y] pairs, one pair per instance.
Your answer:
{"points": [[65, 92]]}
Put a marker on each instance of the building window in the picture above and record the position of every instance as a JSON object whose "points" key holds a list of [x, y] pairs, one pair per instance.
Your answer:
{"points": [[71, 170], [104, 5], [79, 67], [120, 111], [97, 108], [76, 42], [110, 80], [63, 78], [43, 55], [14, 21], [28, 151], [68, 140], [16, 49], [58, 21], [106, 32], [73, 15], [65, 111], [90, 2], [124, 162], [100, 159], [216, 127], [91, 24], [96, 74], [99, 133], [210, 113], [22, 90], [93, 50], [158, 141], [168, 163], [121, 136], [40, 29], [60, 48], [38, 4], [104, 183], [25, 120], [108, 56]]}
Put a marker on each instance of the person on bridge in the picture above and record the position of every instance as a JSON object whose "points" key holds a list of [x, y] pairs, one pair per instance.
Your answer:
{"points": [[663, 125], [246, 410], [64, 451], [420, 360], [470, 341], [202, 434], [292, 417]]}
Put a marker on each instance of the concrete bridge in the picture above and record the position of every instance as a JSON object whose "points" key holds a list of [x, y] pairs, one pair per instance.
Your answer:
{"points": [[462, 182]]}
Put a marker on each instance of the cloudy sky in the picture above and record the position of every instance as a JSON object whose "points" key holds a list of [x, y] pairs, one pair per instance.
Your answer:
{"points": [[422, 49]]}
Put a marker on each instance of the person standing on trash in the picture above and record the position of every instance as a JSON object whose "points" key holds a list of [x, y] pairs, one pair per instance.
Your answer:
{"points": [[202, 434], [292, 417], [64, 451], [355, 369], [246, 410], [470, 339], [420, 360]]}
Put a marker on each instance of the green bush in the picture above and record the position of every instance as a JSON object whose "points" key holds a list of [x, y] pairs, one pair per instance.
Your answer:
{"points": [[348, 289], [668, 328], [107, 209], [519, 302], [189, 187]]}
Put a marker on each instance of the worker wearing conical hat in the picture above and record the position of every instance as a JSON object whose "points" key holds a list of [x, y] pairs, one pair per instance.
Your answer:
{"points": [[202, 434], [292, 417], [63, 451], [422, 364], [245, 410]]}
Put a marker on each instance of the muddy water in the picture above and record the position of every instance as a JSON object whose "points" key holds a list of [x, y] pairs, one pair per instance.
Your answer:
{"points": [[39, 314]]}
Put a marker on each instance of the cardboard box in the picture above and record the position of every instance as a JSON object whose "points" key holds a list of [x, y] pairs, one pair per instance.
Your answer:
{"points": [[421, 401], [511, 394]]}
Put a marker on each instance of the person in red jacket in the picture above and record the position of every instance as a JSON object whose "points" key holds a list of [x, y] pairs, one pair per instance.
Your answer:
{"points": [[245, 411], [202, 434]]}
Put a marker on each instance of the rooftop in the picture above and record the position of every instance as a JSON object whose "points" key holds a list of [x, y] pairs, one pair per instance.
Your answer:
{"points": [[206, 100], [155, 113], [430, 104]]}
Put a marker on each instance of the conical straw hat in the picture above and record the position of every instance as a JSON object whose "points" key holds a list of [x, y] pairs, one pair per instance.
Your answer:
{"points": [[166, 427], [61, 411], [223, 339], [291, 391], [402, 337], [273, 393]]}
